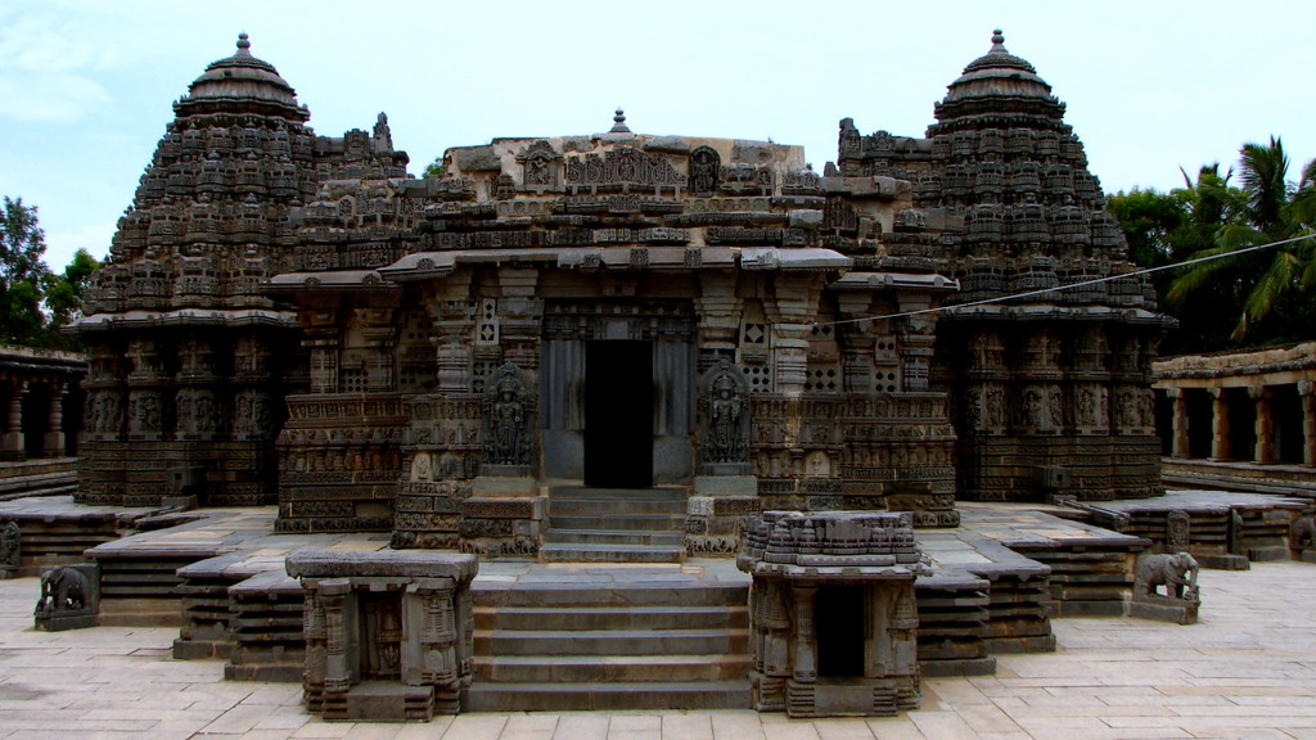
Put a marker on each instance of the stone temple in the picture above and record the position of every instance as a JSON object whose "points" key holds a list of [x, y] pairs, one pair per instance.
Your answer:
{"points": [[473, 360]]}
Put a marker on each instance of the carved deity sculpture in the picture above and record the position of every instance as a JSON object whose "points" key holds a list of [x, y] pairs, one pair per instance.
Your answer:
{"points": [[507, 410], [10, 549], [705, 171], [724, 406]]}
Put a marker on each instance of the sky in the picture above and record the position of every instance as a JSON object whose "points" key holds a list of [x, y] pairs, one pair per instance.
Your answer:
{"points": [[1151, 86]]}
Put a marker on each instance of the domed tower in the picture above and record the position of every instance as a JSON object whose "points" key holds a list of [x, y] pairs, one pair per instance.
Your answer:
{"points": [[188, 359], [1052, 388]]}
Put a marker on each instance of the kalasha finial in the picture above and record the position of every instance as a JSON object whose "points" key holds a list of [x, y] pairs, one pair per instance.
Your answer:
{"points": [[619, 123], [243, 43], [998, 40]]}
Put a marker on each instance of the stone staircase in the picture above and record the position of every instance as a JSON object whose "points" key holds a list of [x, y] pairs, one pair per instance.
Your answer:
{"points": [[590, 637], [619, 525]]}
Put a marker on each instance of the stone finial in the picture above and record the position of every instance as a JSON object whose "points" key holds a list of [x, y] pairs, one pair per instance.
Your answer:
{"points": [[998, 40], [619, 123], [244, 46]]}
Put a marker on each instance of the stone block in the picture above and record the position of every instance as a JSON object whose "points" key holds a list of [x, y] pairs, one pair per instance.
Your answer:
{"points": [[502, 508], [726, 485], [486, 486], [806, 219], [477, 159]]}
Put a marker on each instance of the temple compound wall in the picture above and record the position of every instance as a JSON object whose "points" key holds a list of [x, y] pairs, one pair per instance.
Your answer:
{"points": [[1240, 420], [290, 317]]}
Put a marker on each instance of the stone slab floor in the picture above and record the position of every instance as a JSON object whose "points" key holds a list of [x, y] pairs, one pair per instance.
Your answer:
{"points": [[1247, 670]]}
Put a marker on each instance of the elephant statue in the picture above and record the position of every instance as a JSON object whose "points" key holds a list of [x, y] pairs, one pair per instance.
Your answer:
{"points": [[63, 589], [1177, 572]]}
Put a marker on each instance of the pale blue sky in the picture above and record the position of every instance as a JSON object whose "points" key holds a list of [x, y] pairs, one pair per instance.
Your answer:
{"points": [[86, 87]]}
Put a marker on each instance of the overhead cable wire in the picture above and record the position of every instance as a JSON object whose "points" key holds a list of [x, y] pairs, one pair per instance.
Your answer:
{"points": [[1067, 286]]}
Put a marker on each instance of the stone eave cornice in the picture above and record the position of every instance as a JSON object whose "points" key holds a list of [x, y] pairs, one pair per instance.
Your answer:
{"points": [[187, 317], [868, 281], [19, 353], [425, 265], [1049, 312], [1225, 364], [350, 280]]}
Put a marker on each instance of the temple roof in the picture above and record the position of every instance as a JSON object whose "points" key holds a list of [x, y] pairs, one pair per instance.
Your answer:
{"points": [[999, 73], [242, 78]]}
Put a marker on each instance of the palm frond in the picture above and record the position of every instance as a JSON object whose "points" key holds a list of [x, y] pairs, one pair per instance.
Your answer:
{"points": [[1263, 169]]}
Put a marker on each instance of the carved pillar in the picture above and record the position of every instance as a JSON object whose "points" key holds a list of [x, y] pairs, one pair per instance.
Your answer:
{"points": [[1219, 424], [719, 318], [521, 316], [1180, 422], [1263, 450], [145, 391], [14, 440], [806, 639], [322, 344], [792, 315], [378, 331], [916, 342], [195, 403], [453, 317], [53, 444], [1308, 391]]}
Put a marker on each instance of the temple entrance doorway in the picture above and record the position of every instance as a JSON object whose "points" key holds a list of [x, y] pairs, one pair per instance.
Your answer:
{"points": [[619, 414]]}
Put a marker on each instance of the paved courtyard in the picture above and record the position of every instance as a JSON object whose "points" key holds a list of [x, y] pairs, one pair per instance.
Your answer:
{"points": [[1248, 669]]}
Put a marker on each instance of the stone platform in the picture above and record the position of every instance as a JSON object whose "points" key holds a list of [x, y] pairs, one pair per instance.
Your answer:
{"points": [[646, 635]]}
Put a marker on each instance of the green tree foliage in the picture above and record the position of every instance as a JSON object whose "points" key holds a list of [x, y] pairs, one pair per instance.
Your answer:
{"points": [[1255, 298], [35, 302]]}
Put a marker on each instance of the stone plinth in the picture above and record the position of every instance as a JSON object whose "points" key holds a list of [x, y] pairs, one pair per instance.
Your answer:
{"points": [[833, 622], [388, 634]]}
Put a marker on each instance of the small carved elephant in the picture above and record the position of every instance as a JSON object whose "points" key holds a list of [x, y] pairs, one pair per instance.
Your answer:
{"points": [[1177, 572], [62, 589]]}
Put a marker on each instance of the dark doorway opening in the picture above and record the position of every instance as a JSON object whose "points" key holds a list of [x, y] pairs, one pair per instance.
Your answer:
{"points": [[839, 616], [619, 414]]}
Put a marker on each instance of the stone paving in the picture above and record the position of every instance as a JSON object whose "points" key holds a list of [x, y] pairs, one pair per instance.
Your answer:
{"points": [[1247, 669]]}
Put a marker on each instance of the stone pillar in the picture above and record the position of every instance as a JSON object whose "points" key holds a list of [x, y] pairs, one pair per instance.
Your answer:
{"points": [[1179, 444], [1264, 449], [1307, 389], [54, 441], [720, 311], [792, 315], [1219, 424], [14, 444], [806, 641]]}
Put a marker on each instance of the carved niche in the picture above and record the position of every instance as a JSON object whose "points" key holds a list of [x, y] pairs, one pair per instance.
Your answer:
{"points": [[508, 408], [724, 420], [705, 171], [541, 167]]}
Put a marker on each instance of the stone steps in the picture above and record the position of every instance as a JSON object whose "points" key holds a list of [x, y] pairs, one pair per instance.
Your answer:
{"points": [[615, 525], [617, 537], [573, 552], [613, 522], [672, 592], [632, 637], [613, 695], [610, 642], [594, 669]]}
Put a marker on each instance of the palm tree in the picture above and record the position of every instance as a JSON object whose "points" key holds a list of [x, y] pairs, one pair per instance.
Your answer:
{"points": [[1264, 282]]}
